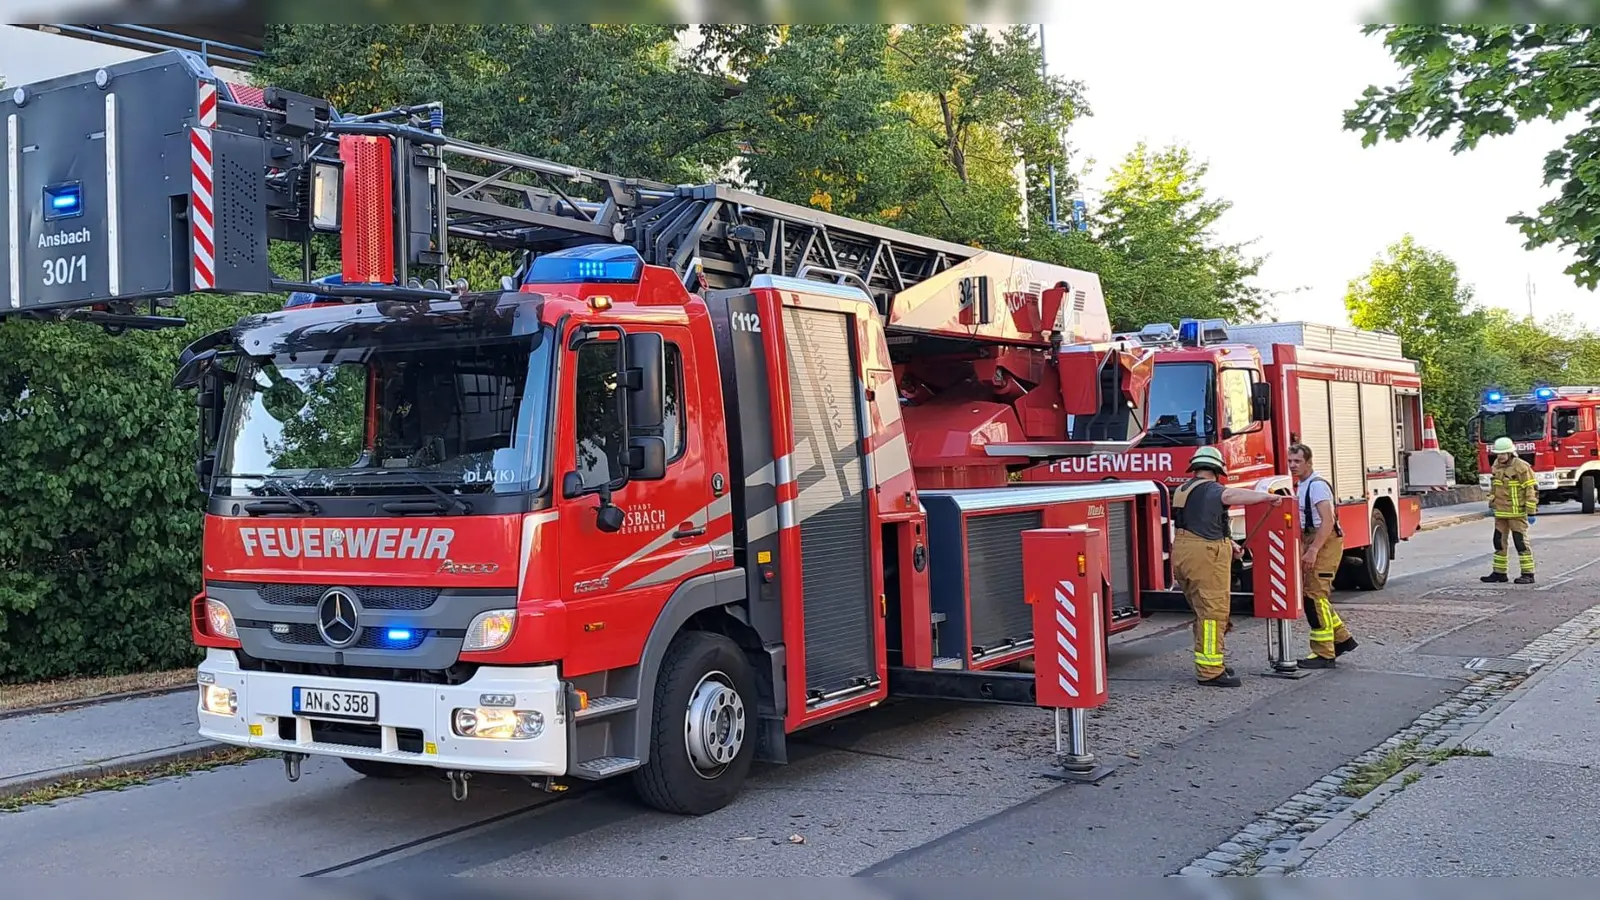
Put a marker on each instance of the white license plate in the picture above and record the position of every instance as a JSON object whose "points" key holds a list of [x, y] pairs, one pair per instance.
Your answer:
{"points": [[320, 703]]}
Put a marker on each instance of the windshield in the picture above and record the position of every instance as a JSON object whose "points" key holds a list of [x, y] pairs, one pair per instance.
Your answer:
{"points": [[1524, 423], [1182, 404], [464, 418]]}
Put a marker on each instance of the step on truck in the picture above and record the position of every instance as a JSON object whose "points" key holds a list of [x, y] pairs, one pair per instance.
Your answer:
{"points": [[706, 470], [1254, 390], [1553, 428]]}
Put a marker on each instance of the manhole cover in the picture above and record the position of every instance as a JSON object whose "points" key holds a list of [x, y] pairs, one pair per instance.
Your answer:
{"points": [[1465, 592], [1498, 664]]}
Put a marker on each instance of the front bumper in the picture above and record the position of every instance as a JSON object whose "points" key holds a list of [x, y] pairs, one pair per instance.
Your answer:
{"points": [[413, 725]]}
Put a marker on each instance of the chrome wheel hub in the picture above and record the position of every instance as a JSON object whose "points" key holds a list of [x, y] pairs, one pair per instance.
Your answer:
{"points": [[714, 727]]}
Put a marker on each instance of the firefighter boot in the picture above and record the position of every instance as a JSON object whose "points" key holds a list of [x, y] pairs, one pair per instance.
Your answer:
{"points": [[1494, 578], [1340, 648], [1524, 578]]}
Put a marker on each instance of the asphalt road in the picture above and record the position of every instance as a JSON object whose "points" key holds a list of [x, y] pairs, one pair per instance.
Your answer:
{"points": [[909, 789]]}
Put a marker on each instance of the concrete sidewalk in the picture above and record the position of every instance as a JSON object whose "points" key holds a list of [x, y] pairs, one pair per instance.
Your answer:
{"points": [[90, 741], [1531, 807]]}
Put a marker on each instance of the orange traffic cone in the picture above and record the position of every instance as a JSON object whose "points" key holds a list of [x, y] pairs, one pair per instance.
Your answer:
{"points": [[1430, 439]]}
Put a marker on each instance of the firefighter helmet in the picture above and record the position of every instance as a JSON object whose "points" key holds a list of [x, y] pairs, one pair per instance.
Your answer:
{"points": [[1208, 458], [1503, 446]]}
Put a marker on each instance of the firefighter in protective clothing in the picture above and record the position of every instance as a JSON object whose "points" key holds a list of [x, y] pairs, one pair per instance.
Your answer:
{"points": [[1514, 497], [1322, 544], [1202, 558]]}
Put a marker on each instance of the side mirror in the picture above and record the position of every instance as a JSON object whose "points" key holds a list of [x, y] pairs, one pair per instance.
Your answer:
{"points": [[203, 469], [646, 379], [647, 459], [608, 517], [1260, 402]]}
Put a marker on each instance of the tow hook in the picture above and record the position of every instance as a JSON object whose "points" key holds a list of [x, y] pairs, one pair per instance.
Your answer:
{"points": [[291, 765], [548, 784], [458, 784]]}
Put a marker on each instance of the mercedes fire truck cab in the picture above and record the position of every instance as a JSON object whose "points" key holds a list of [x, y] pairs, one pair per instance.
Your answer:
{"points": [[1554, 429]]}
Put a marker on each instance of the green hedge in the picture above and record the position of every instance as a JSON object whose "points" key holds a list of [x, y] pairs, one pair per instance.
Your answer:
{"points": [[101, 526]]}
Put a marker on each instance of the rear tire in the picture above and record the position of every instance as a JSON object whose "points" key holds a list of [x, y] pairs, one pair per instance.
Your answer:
{"points": [[1373, 573], [1586, 494], [371, 768], [702, 729]]}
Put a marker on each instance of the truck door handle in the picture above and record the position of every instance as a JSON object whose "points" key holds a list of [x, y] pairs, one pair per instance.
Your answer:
{"points": [[687, 530]]}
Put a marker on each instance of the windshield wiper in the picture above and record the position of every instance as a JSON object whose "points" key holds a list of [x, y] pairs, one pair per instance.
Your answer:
{"points": [[450, 500], [299, 502], [1172, 440]]}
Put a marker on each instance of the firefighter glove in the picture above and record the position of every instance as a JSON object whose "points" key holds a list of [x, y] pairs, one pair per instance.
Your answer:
{"points": [[1532, 519]]}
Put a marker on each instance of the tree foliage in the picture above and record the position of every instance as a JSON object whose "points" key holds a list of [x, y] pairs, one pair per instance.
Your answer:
{"points": [[1478, 81]]}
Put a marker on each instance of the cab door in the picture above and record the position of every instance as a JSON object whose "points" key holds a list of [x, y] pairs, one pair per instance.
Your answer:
{"points": [[609, 578], [1242, 440], [1570, 443]]}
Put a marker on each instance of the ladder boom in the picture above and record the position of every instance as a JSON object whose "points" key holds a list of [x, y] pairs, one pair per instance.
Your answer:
{"points": [[173, 182]]}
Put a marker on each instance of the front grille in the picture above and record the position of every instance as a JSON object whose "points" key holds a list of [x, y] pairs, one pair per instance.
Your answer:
{"points": [[409, 599], [351, 734], [371, 638]]}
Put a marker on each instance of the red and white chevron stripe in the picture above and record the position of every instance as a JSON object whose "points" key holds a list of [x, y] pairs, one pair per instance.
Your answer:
{"points": [[202, 216], [1278, 571], [206, 107]]}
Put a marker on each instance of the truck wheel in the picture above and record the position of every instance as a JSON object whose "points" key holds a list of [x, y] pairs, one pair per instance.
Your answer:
{"points": [[1586, 494], [1373, 573], [375, 769], [702, 740]]}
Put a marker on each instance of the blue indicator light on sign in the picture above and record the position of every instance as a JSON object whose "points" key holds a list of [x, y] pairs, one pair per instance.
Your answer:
{"points": [[63, 201]]}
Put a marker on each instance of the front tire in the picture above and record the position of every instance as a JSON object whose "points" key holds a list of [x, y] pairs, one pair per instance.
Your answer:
{"points": [[703, 727], [1586, 494], [1373, 573]]}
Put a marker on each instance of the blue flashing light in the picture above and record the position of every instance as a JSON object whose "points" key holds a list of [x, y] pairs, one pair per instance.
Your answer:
{"points": [[1189, 332], [399, 634], [63, 201], [306, 298], [1545, 393], [1494, 396], [610, 263]]}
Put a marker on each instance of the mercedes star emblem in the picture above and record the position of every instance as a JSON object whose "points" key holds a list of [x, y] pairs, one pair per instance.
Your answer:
{"points": [[338, 617]]}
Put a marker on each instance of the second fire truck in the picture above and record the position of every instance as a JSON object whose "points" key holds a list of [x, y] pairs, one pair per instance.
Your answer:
{"points": [[1254, 390]]}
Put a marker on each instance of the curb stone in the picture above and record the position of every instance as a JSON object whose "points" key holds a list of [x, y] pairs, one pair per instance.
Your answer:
{"points": [[1277, 843], [68, 705], [22, 784], [1438, 522]]}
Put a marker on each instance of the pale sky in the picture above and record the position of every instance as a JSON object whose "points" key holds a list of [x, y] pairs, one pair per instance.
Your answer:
{"points": [[1259, 92]]}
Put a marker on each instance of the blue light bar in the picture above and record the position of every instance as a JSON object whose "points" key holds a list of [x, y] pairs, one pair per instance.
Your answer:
{"points": [[1494, 397], [399, 634], [306, 298], [63, 201], [609, 263], [1545, 393], [1189, 332]]}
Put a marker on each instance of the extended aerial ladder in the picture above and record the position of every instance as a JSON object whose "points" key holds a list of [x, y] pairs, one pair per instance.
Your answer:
{"points": [[152, 178]]}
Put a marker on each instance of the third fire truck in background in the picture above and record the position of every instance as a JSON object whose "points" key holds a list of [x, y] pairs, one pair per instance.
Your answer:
{"points": [[1553, 428], [1254, 390]]}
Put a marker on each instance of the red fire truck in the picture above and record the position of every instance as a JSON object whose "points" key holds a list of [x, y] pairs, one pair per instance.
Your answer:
{"points": [[1553, 429], [1254, 390], [708, 470]]}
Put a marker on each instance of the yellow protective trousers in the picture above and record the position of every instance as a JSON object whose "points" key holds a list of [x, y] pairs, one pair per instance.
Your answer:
{"points": [[1327, 628], [1204, 570], [1517, 527]]}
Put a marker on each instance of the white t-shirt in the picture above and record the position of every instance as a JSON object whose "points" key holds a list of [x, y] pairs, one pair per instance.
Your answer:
{"points": [[1318, 491]]}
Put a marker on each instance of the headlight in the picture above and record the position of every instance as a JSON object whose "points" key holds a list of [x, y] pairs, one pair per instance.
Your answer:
{"points": [[490, 630], [220, 620], [219, 701], [499, 724]]}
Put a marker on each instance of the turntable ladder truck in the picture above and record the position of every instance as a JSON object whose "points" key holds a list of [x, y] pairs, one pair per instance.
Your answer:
{"points": [[708, 469]]}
